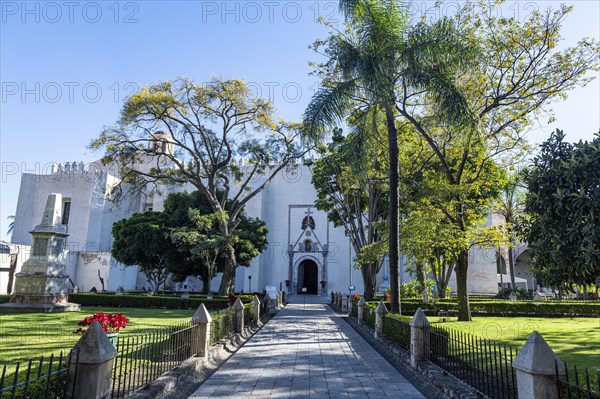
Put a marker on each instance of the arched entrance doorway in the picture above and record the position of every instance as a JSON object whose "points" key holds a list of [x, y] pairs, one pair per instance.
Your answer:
{"points": [[308, 276]]}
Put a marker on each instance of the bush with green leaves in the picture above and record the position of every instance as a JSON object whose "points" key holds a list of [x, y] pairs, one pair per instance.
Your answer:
{"points": [[505, 308], [521, 293]]}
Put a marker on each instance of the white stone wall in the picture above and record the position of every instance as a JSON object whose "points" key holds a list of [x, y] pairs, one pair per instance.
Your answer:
{"points": [[92, 217], [23, 252]]}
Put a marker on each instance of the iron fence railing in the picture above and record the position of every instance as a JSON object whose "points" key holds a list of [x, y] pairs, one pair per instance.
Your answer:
{"points": [[143, 357], [43, 378], [577, 384], [484, 364]]}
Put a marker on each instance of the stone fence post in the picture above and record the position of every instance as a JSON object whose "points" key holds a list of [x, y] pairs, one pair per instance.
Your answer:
{"points": [[350, 304], [361, 310], [238, 316], [535, 367], [279, 300], [419, 338], [380, 312], [201, 332], [255, 306], [339, 300], [270, 302], [93, 355], [344, 303]]}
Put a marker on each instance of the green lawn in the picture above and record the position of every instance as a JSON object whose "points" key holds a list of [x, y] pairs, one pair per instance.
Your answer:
{"points": [[574, 340], [27, 335]]}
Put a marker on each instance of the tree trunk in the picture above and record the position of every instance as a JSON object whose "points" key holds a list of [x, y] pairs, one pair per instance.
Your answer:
{"points": [[462, 265], [393, 211], [228, 278], [441, 287], [11, 272], [206, 280], [369, 281], [511, 267]]}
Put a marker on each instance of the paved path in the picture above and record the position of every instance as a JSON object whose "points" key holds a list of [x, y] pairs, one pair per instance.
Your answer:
{"points": [[307, 351]]}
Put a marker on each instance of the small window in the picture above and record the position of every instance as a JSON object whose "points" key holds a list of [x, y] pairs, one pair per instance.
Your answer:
{"points": [[308, 245], [66, 212], [148, 207]]}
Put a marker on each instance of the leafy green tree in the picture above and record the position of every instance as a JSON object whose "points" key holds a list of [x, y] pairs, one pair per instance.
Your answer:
{"points": [[521, 72], [143, 240], [201, 249], [443, 221], [355, 199], [209, 126], [563, 207], [377, 57]]}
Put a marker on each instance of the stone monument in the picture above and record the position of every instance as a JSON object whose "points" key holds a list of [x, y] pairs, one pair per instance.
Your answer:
{"points": [[41, 285]]}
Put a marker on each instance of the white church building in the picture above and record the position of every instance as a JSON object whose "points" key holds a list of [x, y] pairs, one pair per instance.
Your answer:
{"points": [[318, 257]]}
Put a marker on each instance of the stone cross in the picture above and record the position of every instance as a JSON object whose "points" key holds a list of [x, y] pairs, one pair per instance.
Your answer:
{"points": [[308, 212]]}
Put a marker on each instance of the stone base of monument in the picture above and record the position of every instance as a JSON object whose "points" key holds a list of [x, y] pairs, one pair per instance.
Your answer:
{"points": [[41, 285]]}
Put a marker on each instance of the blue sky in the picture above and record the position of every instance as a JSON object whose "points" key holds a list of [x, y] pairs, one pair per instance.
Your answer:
{"points": [[65, 67]]}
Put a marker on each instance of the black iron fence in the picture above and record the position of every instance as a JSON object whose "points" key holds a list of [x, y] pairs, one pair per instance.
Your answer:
{"points": [[144, 357], [44, 378], [577, 384], [484, 364]]}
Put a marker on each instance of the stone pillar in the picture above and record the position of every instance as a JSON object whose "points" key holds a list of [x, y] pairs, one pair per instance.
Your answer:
{"points": [[279, 300], [419, 338], [269, 303], [361, 310], [255, 306], [535, 367], [42, 284], [350, 304], [338, 302], [201, 333], [238, 315], [93, 355], [380, 312], [344, 303]]}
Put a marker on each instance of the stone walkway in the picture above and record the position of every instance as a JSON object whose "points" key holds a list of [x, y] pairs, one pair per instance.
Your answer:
{"points": [[307, 351]]}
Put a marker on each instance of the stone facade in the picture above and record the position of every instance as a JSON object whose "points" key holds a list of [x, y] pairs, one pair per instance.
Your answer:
{"points": [[291, 260]]}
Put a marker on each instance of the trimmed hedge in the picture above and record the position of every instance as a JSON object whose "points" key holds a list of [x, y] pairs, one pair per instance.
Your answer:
{"points": [[505, 308], [397, 330], [146, 302]]}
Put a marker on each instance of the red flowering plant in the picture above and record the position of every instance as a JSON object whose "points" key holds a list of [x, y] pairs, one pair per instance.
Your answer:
{"points": [[110, 323]]}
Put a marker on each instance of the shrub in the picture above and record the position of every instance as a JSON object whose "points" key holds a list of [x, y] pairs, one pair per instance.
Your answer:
{"points": [[505, 308], [397, 330], [522, 294], [147, 302], [4, 298]]}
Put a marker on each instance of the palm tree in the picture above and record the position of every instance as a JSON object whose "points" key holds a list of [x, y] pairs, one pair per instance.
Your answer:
{"points": [[11, 225], [379, 55]]}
